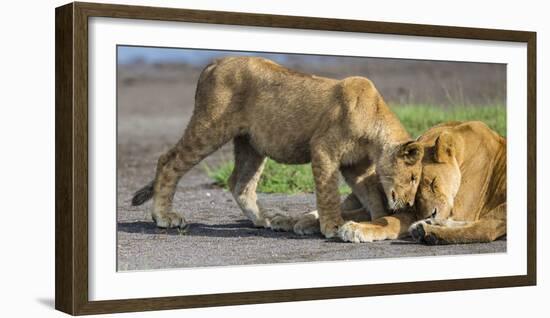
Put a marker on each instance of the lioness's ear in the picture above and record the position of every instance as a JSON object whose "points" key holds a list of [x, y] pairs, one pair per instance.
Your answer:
{"points": [[411, 152], [445, 148]]}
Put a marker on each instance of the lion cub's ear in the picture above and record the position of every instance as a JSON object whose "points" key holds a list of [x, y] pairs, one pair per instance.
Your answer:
{"points": [[445, 148], [411, 152]]}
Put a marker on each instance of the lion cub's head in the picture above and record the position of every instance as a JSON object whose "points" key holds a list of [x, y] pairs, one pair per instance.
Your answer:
{"points": [[441, 178], [399, 173]]}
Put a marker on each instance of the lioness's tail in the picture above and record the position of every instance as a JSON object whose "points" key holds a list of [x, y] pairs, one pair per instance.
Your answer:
{"points": [[144, 194]]}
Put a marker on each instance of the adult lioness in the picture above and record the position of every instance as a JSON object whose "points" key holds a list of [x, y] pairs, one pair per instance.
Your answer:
{"points": [[270, 111], [462, 194]]}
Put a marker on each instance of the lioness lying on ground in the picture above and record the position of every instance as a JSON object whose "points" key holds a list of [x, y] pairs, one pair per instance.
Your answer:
{"points": [[270, 111], [462, 194]]}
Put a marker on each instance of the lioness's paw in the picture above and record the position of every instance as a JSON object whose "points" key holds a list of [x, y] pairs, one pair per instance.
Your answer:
{"points": [[170, 220], [308, 224], [416, 230], [420, 232], [352, 232], [280, 222]]}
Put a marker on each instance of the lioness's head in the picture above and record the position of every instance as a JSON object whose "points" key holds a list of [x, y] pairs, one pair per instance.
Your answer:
{"points": [[399, 173], [440, 180]]}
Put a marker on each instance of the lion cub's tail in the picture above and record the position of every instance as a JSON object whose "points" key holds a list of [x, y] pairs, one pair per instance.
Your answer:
{"points": [[144, 194]]}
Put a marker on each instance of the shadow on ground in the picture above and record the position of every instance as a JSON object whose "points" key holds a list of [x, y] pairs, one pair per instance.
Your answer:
{"points": [[47, 302], [241, 228]]}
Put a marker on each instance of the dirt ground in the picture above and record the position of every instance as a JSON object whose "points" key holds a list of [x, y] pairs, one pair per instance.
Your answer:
{"points": [[154, 106]]}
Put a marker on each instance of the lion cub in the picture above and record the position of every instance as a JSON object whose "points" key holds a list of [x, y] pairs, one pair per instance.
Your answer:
{"points": [[294, 118]]}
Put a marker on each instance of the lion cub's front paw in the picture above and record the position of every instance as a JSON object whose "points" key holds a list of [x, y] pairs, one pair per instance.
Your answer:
{"points": [[420, 232], [353, 232], [170, 220]]}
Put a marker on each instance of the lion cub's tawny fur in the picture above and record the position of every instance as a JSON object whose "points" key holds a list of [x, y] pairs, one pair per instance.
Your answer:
{"points": [[293, 118]]}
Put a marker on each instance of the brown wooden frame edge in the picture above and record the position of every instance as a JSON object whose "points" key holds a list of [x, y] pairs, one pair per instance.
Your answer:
{"points": [[71, 141]]}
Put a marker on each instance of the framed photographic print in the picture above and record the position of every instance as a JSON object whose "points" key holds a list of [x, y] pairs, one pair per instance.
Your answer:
{"points": [[211, 158]]}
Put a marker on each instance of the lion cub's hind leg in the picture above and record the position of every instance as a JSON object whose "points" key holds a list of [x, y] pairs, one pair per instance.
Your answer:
{"points": [[198, 141], [244, 180]]}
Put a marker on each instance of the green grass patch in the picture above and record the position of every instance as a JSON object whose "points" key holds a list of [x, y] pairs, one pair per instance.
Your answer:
{"points": [[276, 178], [418, 118], [279, 178]]}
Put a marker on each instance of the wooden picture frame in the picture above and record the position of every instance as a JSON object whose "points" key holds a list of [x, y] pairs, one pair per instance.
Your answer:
{"points": [[71, 90]]}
